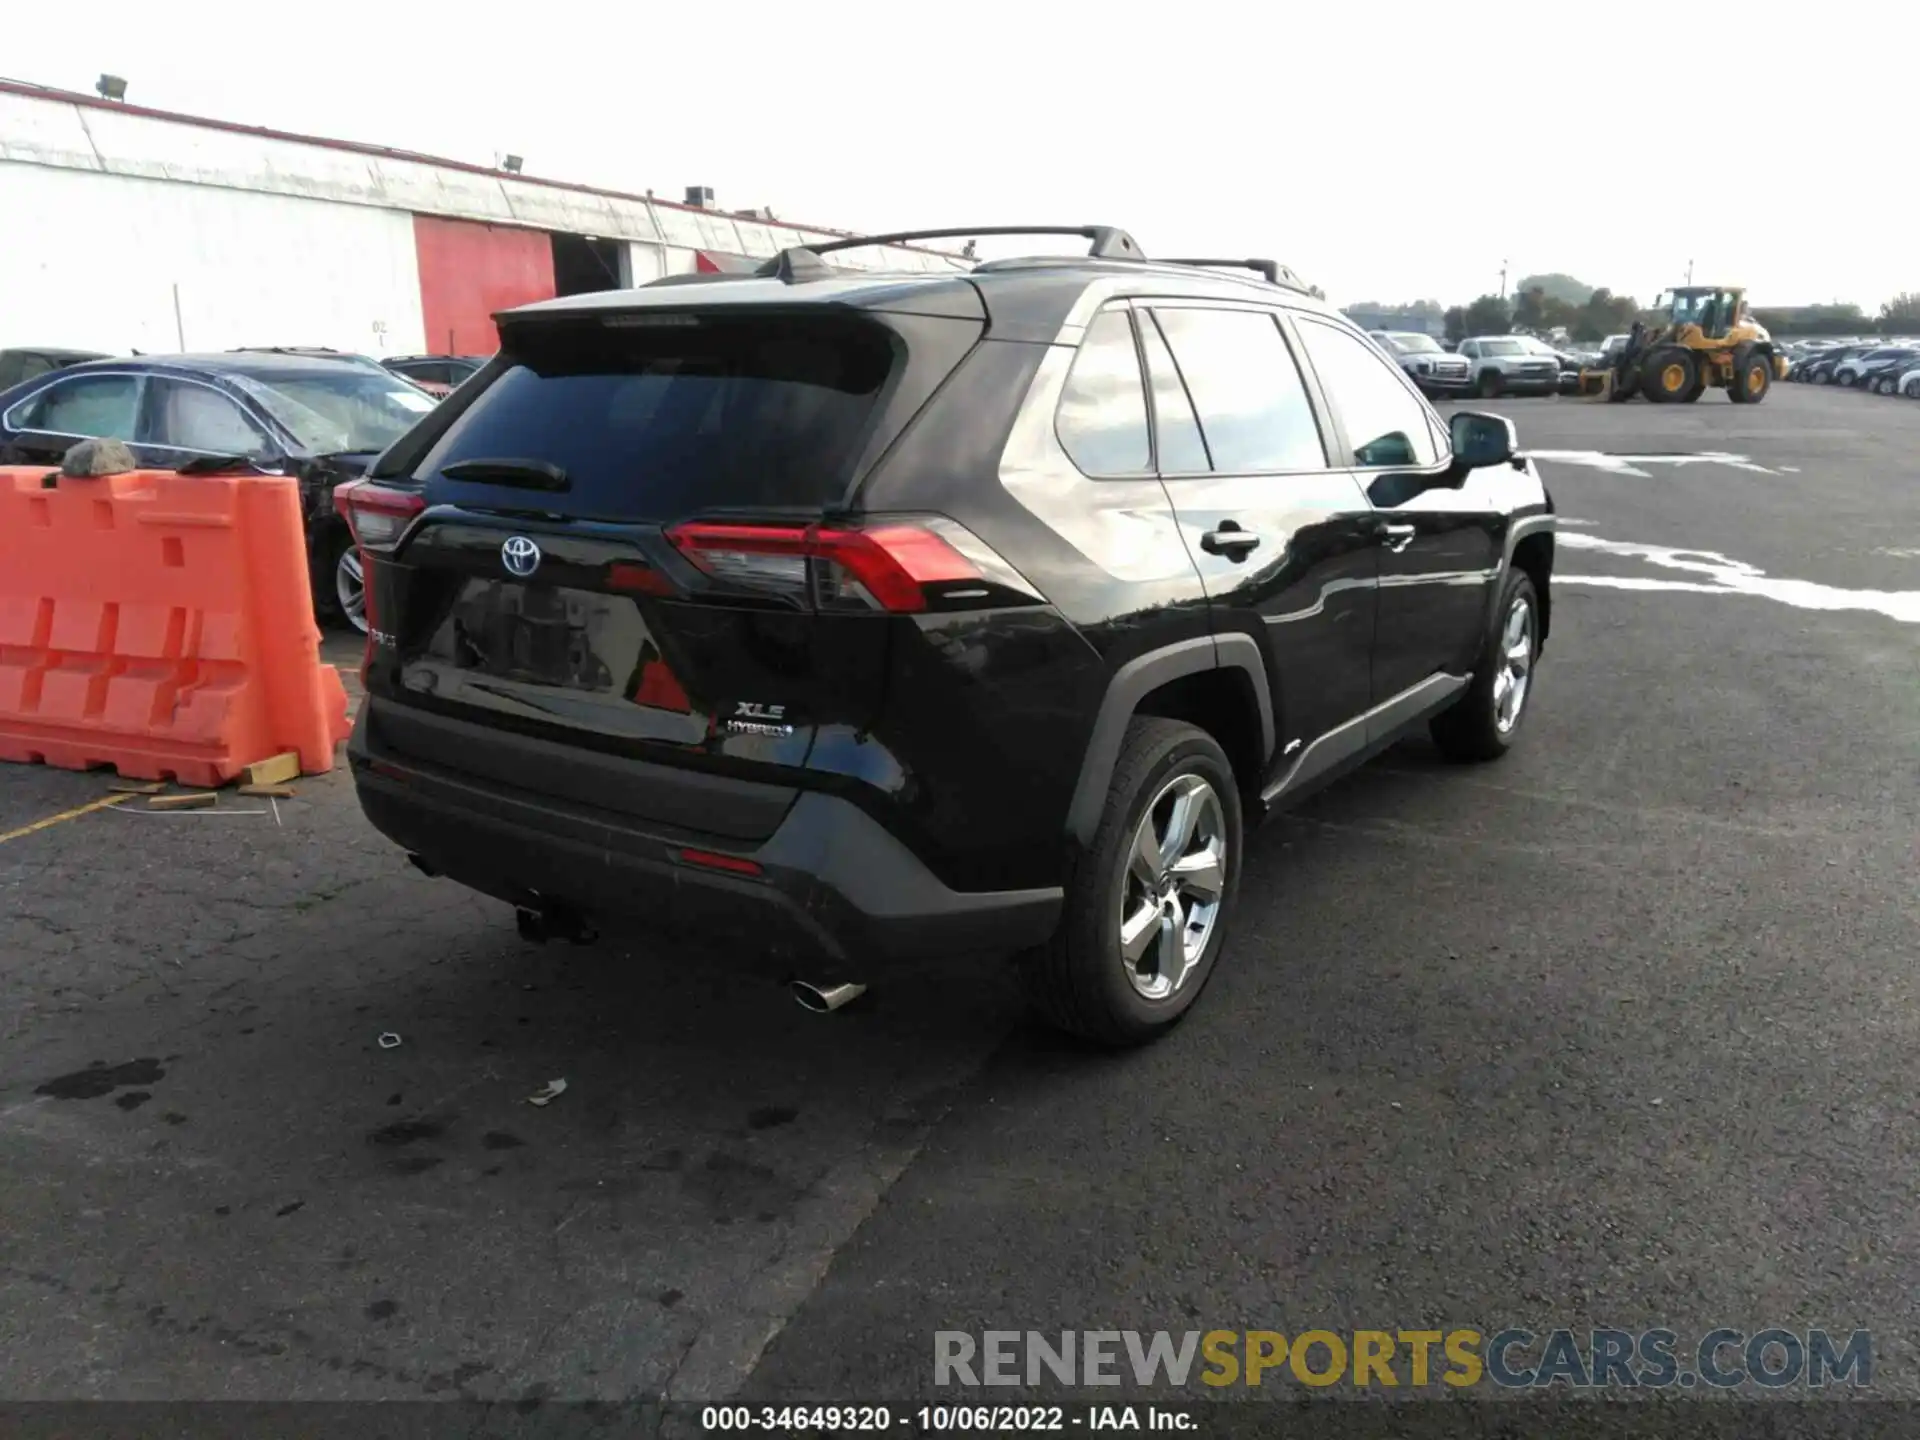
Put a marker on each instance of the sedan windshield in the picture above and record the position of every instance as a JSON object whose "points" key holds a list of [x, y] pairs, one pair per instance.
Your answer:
{"points": [[349, 410]]}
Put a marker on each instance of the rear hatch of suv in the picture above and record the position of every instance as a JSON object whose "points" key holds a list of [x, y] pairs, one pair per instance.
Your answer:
{"points": [[628, 541]]}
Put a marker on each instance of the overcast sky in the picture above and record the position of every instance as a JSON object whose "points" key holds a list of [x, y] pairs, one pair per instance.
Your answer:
{"points": [[1384, 152]]}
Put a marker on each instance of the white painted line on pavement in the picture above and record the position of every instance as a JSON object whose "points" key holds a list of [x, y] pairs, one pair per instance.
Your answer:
{"points": [[1630, 464], [1727, 576]]}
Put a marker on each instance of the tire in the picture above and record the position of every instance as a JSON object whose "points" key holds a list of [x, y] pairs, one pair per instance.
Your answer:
{"points": [[1844, 378], [345, 599], [1478, 726], [1081, 981], [1752, 376], [1699, 389], [1490, 385], [1668, 373]]}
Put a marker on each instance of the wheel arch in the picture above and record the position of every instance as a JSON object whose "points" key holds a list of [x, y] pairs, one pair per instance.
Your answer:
{"points": [[1529, 548], [323, 534], [1218, 682], [1533, 554]]}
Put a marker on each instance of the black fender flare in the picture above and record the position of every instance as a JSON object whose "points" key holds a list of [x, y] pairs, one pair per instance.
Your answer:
{"points": [[1539, 523], [1131, 684]]}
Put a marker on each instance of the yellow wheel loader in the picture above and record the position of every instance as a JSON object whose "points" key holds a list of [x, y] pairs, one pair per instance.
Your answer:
{"points": [[1706, 339]]}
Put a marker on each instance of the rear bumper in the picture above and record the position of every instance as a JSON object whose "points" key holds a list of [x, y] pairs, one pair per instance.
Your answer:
{"points": [[832, 882]]}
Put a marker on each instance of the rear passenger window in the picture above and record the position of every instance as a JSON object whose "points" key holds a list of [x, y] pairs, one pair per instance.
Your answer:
{"points": [[1252, 404], [1384, 420], [1182, 451], [1102, 422]]}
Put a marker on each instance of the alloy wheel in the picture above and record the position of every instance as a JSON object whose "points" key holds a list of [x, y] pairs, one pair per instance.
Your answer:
{"points": [[350, 588], [1175, 880], [1515, 676]]}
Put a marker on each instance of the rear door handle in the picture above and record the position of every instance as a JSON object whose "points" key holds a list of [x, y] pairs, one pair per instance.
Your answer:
{"points": [[1397, 537], [1229, 540]]}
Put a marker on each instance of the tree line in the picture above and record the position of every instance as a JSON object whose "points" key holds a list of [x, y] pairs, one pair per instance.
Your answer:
{"points": [[1898, 316], [1602, 314], [1538, 309]]}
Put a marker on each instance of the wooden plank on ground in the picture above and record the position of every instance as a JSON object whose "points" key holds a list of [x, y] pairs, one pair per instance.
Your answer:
{"points": [[276, 770], [194, 800]]}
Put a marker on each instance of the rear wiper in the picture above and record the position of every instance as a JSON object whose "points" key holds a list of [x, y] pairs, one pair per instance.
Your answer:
{"points": [[527, 474]]}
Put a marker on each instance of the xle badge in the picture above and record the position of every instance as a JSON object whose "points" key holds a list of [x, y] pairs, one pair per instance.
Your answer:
{"points": [[749, 718]]}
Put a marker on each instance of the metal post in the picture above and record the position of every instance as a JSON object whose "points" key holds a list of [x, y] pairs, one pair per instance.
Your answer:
{"points": [[179, 326]]}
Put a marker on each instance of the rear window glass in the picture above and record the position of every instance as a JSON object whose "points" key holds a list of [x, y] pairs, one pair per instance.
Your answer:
{"points": [[662, 421]]}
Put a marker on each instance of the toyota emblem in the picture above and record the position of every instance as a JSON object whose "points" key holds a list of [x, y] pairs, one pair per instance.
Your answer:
{"points": [[520, 555]]}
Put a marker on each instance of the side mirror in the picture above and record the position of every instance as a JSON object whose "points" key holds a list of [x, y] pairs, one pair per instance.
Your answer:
{"points": [[1480, 440]]}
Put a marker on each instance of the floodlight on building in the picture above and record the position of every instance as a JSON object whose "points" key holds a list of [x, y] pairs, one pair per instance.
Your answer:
{"points": [[111, 87]]}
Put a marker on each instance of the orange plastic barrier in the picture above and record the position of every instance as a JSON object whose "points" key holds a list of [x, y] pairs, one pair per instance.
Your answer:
{"points": [[160, 624]]}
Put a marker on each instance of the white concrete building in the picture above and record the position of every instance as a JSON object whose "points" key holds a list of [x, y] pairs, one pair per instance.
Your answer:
{"points": [[123, 228]]}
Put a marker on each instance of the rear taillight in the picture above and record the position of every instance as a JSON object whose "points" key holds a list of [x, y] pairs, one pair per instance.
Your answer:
{"points": [[637, 579], [900, 567], [712, 860], [378, 516]]}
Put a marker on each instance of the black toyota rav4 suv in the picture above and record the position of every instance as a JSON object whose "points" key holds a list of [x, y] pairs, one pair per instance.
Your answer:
{"points": [[887, 615]]}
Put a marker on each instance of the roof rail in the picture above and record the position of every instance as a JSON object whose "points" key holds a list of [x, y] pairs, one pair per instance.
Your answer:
{"points": [[1273, 270], [800, 263], [1106, 241]]}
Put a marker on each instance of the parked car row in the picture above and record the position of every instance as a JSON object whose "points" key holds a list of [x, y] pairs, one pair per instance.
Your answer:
{"points": [[1484, 365], [319, 415], [1872, 365]]}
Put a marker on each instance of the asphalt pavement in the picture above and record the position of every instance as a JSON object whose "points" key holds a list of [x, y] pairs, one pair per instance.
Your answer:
{"points": [[1623, 1030]]}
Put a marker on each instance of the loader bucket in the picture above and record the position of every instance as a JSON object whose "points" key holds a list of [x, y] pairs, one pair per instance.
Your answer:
{"points": [[1596, 384]]}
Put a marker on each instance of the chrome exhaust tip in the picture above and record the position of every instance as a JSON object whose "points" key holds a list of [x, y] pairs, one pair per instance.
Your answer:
{"points": [[825, 999]]}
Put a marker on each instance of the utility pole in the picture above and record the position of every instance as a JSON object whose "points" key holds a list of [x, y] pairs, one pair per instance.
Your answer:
{"points": [[1503, 278], [1689, 272]]}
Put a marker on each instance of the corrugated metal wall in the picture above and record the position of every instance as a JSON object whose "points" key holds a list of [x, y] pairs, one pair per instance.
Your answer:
{"points": [[281, 240], [69, 133], [92, 261]]}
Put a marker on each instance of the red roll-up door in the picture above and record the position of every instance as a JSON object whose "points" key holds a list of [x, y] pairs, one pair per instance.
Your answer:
{"points": [[469, 270]]}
